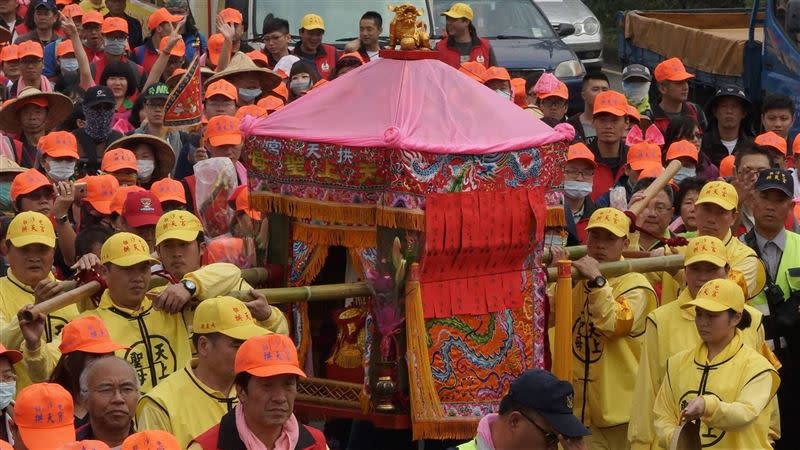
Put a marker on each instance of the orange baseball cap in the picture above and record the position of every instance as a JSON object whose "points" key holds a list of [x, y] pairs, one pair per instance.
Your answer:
{"points": [[151, 440], [100, 190], [13, 356], [726, 166], [168, 189], [63, 2], [560, 91], [59, 144], [259, 58], [474, 70], [682, 149], [92, 17], [251, 110], [178, 50], [771, 139], [240, 201], [611, 102], [223, 130], [118, 159], [30, 48], [796, 149], [9, 53], [27, 182], [214, 46], [671, 70], [5, 445], [160, 16], [282, 91], [271, 103], [580, 151], [496, 73], [633, 114], [651, 170], [223, 88], [73, 10], [87, 334], [86, 444], [520, 96], [118, 201], [44, 414], [643, 153], [64, 47], [112, 24], [230, 15], [268, 356]]}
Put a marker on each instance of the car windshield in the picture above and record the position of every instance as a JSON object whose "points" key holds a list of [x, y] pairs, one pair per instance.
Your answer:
{"points": [[341, 16], [499, 18]]}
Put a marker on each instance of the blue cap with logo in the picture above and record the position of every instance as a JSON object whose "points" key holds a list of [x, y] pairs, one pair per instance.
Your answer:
{"points": [[776, 179], [550, 397]]}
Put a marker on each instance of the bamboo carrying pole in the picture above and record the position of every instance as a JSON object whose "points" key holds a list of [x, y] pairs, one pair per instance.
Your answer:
{"points": [[319, 293], [562, 357], [573, 253], [617, 268], [656, 187]]}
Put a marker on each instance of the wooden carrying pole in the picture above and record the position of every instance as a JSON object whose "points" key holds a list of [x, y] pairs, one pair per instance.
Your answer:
{"points": [[656, 187], [562, 351], [617, 268], [572, 253]]}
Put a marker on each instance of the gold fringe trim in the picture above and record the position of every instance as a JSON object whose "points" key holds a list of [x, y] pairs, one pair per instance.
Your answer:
{"points": [[328, 235], [407, 219], [315, 263], [426, 408], [355, 260], [305, 342], [301, 208], [555, 217], [445, 428]]}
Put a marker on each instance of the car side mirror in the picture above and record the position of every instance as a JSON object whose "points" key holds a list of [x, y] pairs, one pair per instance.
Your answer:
{"points": [[793, 16], [568, 29]]}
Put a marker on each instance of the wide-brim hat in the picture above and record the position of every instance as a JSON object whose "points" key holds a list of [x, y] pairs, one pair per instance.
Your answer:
{"points": [[161, 148], [268, 79], [59, 107]]}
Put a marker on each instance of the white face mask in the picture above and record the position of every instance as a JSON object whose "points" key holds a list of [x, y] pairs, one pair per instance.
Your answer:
{"points": [[60, 170], [577, 190], [503, 93], [248, 95], [299, 86], [684, 173], [636, 91], [115, 47], [7, 392], [145, 169], [69, 64]]}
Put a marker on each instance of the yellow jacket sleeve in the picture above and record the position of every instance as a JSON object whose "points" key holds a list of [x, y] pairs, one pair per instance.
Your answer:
{"points": [[753, 272], [752, 399], [667, 417], [648, 377], [150, 416], [216, 279], [276, 322], [41, 362], [10, 334], [618, 316]]}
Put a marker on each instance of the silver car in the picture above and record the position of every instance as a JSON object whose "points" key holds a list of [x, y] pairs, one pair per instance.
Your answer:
{"points": [[587, 42]]}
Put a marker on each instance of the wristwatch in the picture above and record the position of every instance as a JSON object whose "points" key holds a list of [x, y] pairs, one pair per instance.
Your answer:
{"points": [[190, 286], [597, 283], [63, 219]]}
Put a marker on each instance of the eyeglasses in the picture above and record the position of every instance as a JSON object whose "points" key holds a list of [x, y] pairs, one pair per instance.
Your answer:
{"points": [[579, 173], [550, 439], [659, 208]]}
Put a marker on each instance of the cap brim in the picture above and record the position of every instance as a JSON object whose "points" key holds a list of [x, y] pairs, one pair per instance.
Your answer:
{"points": [[680, 77], [63, 153], [181, 235], [566, 424], [728, 206], [776, 187], [13, 356], [225, 139], [618, 232], [642, 164], [276, 369], [682, 155], [594, 164], [28, 239], [101, 347], [47, 438], [132, 260], [141, 220], [103, 207], [706, 304], [716, 260], [453, 15], [612, 111], [245, 332], [553, 94]]}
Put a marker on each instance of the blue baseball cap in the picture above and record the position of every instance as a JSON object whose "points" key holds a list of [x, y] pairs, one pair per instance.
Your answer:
{"points": [[551, 398], [49, 4]]}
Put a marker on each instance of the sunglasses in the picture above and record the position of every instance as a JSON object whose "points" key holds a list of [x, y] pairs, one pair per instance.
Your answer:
{"points": [[550, 439]]}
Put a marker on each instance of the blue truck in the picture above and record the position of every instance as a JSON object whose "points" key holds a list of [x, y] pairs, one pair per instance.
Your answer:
{"points": [[756, 48]]}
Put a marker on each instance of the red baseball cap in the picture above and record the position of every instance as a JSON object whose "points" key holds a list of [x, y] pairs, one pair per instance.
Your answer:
{"points": [[59, 144], [682, 149], [44, 414], [87, 334], [223, 130], [268, 356], [168, 189], [671, 70], [121, 195], [27, 182], [141, 209], [771, 139]]}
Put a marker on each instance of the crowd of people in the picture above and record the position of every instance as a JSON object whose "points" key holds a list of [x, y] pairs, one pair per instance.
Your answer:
{"points": [[94, 183]]}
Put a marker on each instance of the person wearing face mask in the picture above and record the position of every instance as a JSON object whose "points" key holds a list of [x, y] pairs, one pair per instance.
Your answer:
{"points": [[97, 134], [58, 155], [636, 81], [685, 152], [8, 388], [302, 79], [578, 175], [155, 158], [251, 81], [497, 79], [115, 38]]}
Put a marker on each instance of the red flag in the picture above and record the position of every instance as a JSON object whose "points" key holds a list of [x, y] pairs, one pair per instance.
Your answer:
{"points": [[184, 105]]}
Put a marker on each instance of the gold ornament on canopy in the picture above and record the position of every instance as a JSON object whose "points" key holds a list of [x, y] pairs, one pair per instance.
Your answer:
{"points": [[407, 30]]}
